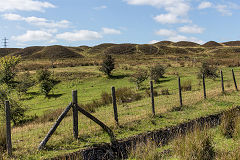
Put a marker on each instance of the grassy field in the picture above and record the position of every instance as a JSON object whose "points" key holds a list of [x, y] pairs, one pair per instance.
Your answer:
{"points": [[135, 117]]}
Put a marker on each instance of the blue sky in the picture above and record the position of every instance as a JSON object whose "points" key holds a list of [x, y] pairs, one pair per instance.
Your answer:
{"points": [[91, 22]]}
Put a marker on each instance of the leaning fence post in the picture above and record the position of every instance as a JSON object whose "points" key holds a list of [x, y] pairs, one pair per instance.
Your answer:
{"points": [[114, 105], [204, 87], [152, 97], [180, 91], [8, 127], [75, 114], [222, 81], [235, 83]]}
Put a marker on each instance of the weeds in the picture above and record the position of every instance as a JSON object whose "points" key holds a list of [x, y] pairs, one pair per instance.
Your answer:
{"points": [[186, 85]]}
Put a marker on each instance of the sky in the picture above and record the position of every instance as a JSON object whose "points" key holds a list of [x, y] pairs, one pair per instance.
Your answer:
{"points": [[91, 22]]}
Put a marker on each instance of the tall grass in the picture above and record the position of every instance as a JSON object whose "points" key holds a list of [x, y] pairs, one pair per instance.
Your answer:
{"points": [[2, 136], [197, 145]]}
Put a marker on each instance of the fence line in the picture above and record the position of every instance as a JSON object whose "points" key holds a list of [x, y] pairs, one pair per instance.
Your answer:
{"points": [[76, 109]]}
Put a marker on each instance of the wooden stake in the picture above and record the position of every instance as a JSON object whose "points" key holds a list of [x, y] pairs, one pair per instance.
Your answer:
{"points": [[75, 114], [8, 127], [204, 87], [114, 105], [152, 97], [180, 91], [222, 81], [234, 80]]}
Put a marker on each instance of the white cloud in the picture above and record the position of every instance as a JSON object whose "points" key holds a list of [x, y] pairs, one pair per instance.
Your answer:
{"points": [[30, 35], [224, 9], [191, 29], [110, 31], [166, 32], [100, 7], [204, 5], [153, 41], [177, 10], [81, 35], [170, 18], [24, 5], [42, 22]]}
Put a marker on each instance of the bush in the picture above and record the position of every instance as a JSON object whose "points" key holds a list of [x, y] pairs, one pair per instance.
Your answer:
{"points": [[196, 145], [208, 71], [8, 69], [165, 92], [139, 77], [186, 85], [157, 72], [2, 138], [126, 95], [107, 65], [148, 92], [24, 83], [46, 82], [106, 98]]}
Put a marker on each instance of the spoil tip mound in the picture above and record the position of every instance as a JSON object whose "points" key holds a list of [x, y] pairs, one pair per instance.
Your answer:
{"points": [[186, 44], [56, 52], [6, 51], [147, 49], [211, 44], [232, 43], [126, 48], [28, 51], [164, 43], [100, 48]]}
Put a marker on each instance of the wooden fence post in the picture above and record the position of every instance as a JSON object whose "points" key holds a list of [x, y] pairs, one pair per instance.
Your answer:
{"points": [[222, 81], [180, 91], [53, 129], [152, 97], [114, 105], [234, 80], [75, 113], [204, 87], [8, 128]]}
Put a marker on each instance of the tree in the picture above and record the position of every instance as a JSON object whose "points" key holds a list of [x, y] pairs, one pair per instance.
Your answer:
{"points": [[139, 77], [107, 65], [45, 81], [208, 71], [157, 72], [8, 69]]}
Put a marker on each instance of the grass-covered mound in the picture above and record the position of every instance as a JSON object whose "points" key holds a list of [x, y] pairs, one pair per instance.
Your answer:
{"points": [[84, 47], [56, 52], [147, 49], [28, 51], [171, 50], [125, 48], [100, 48], [211, 44], [6, 51], [195, 49], [164, 43], [232, 43], [186, 44]]}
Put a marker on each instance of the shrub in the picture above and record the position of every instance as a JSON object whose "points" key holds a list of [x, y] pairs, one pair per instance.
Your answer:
{"points": [[148, 92], [157, 72], [24, 83], [125, 95], [107, 65], [139, 77], [196, 145], [2, 138], [8, 69], [45, 80], [208, 71], [186, 85], [106, 98], [165, 92]]}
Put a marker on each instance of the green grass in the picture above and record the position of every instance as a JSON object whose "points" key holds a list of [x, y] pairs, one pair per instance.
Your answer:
{"points": [[134, 117]]}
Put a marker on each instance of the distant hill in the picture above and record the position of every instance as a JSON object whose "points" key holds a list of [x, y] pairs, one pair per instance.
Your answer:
{"points": [[232, 43], [100, 48], [164, 43], [211, 44], [126, 48], [28, 51], [6, 51], [186, 44], [147, 49], [56, 52]]}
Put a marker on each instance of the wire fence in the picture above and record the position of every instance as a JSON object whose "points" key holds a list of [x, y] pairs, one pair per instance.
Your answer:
{"points": [[31, 135]]}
